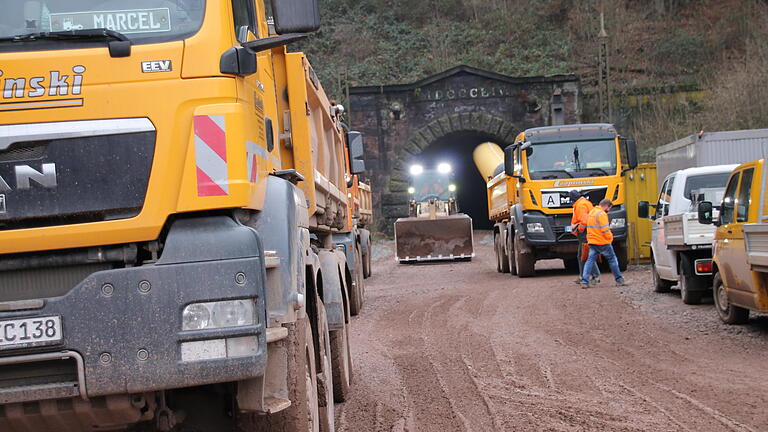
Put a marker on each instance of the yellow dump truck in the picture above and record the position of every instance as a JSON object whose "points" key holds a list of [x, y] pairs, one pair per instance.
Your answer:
{"points": [[529, 198], [740, 247], [174, 215]]}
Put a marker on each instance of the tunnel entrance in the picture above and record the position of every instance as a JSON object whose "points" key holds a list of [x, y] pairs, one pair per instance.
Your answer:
{"points": [[456, 149]]}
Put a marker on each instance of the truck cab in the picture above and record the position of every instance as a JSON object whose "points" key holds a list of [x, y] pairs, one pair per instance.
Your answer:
{"points": [[530, 200], [740, 251], [681, 246]]}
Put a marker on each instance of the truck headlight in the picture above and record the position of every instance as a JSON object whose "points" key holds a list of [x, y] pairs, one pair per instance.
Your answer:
{"points": [[223, 314], [535, 227], [618, 223]]}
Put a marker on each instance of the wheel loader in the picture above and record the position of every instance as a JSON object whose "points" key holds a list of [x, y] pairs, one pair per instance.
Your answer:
{"points": [[434, 229]]}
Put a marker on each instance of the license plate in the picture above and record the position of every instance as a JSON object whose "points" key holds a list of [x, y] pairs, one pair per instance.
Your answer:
{"points": [[30, 331], [550, 199]]}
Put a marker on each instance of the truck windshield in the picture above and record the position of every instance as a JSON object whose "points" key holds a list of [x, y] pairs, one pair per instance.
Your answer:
{"points": [[572, 159], [142, 21], [431, 184], [707, 187]]}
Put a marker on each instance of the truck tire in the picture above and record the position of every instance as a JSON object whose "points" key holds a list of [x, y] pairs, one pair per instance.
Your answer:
{"points": [[357, 292], [496, 252], [502, 261], [367, 263], [341, 364], [728, 313], [622, 255], [324, 372], [571, 265], [689, 289], [511, 255], [659, 285], [303, 415], [524, 262]]}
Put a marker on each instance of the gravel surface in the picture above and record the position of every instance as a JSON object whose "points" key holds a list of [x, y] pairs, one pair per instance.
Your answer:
{"points": [[459, 347]]}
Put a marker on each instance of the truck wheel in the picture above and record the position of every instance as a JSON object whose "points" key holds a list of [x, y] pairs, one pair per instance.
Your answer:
{"points": [[324, 372], [341, 364], [729, 313], [524, 262], [622, 255], [357, 292], [303, 415], [367, 264], [689, 289], [659, 285], [571, 265], [496, 252], [511, 255], [502, 262]]}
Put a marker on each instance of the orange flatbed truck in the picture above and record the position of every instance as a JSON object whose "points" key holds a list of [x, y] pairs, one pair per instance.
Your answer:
{"points": [[174, 202]]}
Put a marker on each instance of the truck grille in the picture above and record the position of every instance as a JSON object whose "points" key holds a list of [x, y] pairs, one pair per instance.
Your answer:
{"points": [[38, 373], [44, 283], [74, 180]]}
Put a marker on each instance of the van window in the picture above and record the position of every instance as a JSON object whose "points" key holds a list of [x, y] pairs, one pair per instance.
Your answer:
{"points": [[742, 204], [668, 195], [245, 16], [661, 203], [726, 210]]}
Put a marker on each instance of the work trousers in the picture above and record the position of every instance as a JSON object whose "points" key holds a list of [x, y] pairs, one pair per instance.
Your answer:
{"points": [[607, 252], [583, 239]]}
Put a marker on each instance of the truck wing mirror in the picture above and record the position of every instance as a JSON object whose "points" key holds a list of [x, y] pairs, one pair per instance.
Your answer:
{"points": [[643, 209], [509, 161], [356, 152], [296, 16], [705, 213], [630, 147]]}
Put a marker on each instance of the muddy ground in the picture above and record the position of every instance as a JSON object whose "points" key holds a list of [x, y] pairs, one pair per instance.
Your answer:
{"points": [[460, 347]]}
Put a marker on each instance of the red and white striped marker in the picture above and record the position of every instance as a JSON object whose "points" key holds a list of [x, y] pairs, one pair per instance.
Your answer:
{"points": [[211, 155]]}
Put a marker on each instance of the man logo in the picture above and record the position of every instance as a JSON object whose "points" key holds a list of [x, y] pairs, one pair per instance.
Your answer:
{"points": [[25, 175]]}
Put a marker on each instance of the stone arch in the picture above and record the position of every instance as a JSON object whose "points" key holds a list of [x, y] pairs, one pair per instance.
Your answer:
{"points": [[501, 131]]}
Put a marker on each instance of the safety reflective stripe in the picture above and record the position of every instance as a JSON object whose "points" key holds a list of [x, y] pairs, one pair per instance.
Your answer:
{"points": [[598, 227]]}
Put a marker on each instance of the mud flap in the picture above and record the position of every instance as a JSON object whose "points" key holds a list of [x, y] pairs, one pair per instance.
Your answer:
{"points": [[445, 237]]}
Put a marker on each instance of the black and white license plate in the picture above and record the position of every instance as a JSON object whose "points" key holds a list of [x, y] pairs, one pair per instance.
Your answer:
{"points": [[22, 332]]}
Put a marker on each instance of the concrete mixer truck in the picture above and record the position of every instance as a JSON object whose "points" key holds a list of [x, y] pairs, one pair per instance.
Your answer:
{"points": [[434, 229], [528, 185]]}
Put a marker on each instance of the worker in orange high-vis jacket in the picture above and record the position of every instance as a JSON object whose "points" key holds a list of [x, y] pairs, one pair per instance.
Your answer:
{"points": [[581, 208], [600, 239]]}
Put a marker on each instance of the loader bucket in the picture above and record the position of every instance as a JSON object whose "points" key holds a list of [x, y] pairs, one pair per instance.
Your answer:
{"points": [[442, 238]]}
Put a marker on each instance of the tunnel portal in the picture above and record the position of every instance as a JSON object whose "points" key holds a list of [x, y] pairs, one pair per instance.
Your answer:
{"points": [[446, 116]]}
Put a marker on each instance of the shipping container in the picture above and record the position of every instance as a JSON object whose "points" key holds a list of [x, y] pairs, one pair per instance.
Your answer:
{"points": [[711, 148]]}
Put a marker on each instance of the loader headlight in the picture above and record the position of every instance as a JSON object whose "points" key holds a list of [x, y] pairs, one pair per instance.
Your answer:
{"points": [[452, 187], [618, 223], [411, 190], [444, 168], [535, 227], [223, 314], [416, 170]]}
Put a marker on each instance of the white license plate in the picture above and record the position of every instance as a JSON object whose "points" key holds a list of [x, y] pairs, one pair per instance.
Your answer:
{"points": [[550, 199], [30, 331]]}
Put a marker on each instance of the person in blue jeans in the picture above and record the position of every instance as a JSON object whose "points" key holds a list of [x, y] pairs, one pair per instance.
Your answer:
{"points": [[600, 239]]}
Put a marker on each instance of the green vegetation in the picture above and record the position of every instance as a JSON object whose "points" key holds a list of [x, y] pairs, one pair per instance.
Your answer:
{"points": [[715, 45]]}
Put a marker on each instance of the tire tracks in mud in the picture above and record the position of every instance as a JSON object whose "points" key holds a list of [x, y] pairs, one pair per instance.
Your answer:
{"points": [[459, 347]]}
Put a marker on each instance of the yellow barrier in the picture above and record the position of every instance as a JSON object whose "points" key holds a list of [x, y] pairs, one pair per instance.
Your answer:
{"points": [[641, 185]]}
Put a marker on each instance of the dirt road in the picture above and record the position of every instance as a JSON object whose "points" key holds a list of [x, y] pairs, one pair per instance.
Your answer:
{"points": [[459, 347]]}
